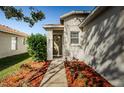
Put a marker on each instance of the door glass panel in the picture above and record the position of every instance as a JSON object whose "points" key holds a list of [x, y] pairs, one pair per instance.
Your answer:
{"points": [[57, 45]]}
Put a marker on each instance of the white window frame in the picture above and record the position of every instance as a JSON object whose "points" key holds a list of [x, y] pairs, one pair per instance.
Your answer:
{"points": [[14, 43], [75, 38]]}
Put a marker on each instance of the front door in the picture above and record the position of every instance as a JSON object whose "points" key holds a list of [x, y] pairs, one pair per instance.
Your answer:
{"points": [[57, 46]]}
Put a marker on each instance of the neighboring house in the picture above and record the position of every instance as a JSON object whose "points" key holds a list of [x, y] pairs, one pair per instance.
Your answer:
{"points": [[97, 38], [12, 42]]}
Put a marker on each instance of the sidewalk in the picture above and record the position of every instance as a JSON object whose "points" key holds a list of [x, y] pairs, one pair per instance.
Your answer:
{"points": [[55, 75]]}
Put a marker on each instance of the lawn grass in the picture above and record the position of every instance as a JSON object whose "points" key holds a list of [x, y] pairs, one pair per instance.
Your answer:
{"points": [[12, 64]]}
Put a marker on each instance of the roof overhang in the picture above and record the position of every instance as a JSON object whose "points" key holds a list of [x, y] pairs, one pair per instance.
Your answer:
{"points": [[53, 27], [6, 29], [93, 15], [73, 13]]}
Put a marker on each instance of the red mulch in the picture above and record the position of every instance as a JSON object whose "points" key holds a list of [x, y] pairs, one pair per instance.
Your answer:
{"points": [[81, 75], [30, 75]]}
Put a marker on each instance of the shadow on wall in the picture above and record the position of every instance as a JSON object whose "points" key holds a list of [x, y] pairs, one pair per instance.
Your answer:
{"points": [[106, 43]]}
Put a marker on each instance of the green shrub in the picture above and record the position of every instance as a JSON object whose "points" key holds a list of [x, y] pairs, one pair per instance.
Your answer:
{"points": [[37, 47]]}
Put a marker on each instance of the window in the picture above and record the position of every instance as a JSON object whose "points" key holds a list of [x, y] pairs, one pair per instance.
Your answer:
{"points": [[74, 37], [14, 43]]}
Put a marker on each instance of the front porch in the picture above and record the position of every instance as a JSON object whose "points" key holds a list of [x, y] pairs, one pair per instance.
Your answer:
{"points": [[54, 41]]}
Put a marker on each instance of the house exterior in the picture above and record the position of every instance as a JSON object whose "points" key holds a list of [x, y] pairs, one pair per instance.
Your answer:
{"points": [[12, 42], [96, 37], [60, 42], [103, 42]]}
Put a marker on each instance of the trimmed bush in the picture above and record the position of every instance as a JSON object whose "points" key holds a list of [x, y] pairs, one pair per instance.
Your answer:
{"points": [[37, 47]]}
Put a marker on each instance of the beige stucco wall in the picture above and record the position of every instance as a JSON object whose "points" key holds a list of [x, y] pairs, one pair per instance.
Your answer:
{"points": [[103, 44], [50, 44], [71, 24], [5, 45]]}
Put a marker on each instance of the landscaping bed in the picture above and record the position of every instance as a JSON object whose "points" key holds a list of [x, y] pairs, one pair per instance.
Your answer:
{"points": [[29, 75], [81, 75]]}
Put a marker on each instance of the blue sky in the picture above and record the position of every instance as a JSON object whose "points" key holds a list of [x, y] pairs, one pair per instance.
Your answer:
{"points": [[52, 14]]}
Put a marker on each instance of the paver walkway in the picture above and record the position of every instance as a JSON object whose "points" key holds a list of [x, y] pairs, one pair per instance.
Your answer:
{"points": [[55, 75]]}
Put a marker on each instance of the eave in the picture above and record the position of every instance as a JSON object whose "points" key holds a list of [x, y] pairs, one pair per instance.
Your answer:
{"points": [[93, 15]]}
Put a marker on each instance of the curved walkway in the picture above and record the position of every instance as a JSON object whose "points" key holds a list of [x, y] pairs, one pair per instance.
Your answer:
{"points": [[55, 75]]}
